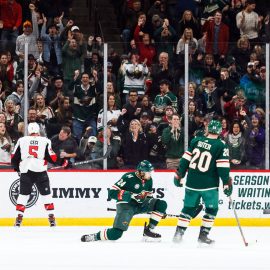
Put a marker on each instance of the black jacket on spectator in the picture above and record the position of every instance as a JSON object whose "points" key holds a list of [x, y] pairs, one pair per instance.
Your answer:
{"points": [[69, 146], [157, 75], [134, 151]]}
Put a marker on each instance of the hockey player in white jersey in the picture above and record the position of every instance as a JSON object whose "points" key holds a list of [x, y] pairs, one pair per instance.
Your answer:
{"points": [[29, 158]]}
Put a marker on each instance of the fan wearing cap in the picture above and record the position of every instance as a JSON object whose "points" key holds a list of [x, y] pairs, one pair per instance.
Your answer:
{"points": [[76, 33], [29, 158], [253, 85], [31, 34], [165, 98], [145, 120], [86, 147], [52, 53], [113, 147]]}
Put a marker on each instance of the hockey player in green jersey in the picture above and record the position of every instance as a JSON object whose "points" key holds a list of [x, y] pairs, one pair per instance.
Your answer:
{"points": [[207, 160], [133, 195]]}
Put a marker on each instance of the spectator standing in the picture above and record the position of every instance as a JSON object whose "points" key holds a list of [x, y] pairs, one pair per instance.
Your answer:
{"points": [[146, 50], [130, 20], [135, 145], [163, 70], [56, 92], [30, 35], [186, 38], [217, 39], [52, 54], [13, 118], [212, 98], [188, 21], [173, 138], [236, 141], [135, 74], [165, 98], [241, 53], [11, 17], [5, 147], [43, 112], [256, 144], [131, 110], [63, 117], [249, 22], [85, 107], [164, 39], [6, 71], [112, 115], [71, 55]]}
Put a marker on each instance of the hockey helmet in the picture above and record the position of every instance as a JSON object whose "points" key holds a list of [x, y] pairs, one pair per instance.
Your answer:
{"points": [[214, 127], [33, 128], [145, 166]]}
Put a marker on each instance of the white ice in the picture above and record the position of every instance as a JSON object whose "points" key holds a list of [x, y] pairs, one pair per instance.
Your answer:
{"points": [[42, 248]]}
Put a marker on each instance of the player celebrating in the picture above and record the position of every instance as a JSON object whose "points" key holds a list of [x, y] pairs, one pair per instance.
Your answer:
{"points": [[207, 160], [29, 159], [133, 193]]}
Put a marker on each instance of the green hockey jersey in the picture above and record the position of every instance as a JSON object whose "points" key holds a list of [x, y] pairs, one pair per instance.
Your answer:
{"points": [[206, 160], [135, 185]]}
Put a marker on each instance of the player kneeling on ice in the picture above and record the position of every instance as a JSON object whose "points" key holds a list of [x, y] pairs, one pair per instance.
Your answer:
{"points": [[29, 159], [206, 160], [133, 195]]}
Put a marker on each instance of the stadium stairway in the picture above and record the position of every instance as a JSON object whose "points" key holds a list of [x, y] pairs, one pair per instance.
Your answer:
{"points": [[97, 17]]}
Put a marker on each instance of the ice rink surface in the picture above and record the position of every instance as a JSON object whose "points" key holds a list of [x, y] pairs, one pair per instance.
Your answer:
{"points": [[44, 248]]}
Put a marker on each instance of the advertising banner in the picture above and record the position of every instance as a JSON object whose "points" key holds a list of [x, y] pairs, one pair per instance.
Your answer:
{"points": [[81, 196]]}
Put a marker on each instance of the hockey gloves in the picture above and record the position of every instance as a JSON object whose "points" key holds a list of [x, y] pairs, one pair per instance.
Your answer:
{"points": [[124, 196], [66, 164], [141, 196], [227, 189], [177, 180]]}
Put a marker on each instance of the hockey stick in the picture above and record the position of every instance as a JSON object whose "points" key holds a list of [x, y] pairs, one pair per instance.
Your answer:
{"points": [[109, 149], [238, 222], [198, 210], [167, 215]]}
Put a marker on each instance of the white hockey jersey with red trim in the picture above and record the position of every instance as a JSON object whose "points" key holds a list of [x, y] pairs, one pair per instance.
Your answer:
{"points": [[34, 153]]}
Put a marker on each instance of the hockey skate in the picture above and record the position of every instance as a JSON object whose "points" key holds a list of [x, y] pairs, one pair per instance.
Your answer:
{"points": [[149, 235], [178, 236], [18, 221], [203, 239], [52, 220], [89, 237]]}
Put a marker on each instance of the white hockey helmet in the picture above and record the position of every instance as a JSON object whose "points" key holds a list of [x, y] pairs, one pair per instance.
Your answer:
{"points": [[33, 128]]}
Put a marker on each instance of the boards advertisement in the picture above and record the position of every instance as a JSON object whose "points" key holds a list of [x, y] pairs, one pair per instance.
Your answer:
{"points": [[81, 198]]}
